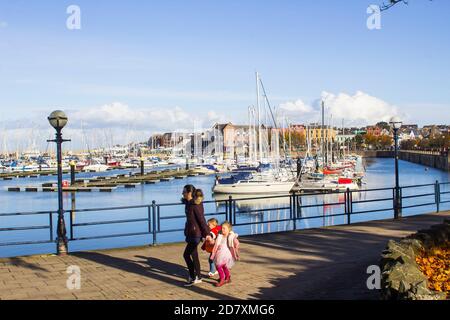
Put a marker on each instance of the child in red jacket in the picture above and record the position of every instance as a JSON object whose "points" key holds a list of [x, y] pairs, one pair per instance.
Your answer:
{"points": [[208, 246]]}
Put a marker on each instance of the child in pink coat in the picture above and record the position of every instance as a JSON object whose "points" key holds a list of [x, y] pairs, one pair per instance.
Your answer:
{"points": [[225, 253]]}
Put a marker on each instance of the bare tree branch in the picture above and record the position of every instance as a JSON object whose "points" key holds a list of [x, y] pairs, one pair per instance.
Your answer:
{"points": [[392, 3]]}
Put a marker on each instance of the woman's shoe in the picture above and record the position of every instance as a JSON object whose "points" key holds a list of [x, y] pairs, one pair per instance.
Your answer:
{"points": [[228, 280], [193, 282], [212, 275], [220, 284]]}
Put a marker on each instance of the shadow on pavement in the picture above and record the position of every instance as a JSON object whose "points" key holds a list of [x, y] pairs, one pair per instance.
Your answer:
{"points": [[156, 269]]}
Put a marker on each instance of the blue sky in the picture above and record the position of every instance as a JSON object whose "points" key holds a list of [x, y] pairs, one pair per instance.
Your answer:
{"points": [[199, 57]]}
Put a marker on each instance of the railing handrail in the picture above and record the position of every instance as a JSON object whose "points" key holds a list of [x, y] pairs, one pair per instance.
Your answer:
{"points": [[215, 201]]}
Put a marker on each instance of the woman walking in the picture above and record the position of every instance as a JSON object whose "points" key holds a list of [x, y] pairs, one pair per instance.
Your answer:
{"points": [[195, 230]]}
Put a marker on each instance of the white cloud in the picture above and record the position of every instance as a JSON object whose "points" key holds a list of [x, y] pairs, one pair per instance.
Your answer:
{"points": [[106, 125], [118, 123], [214, 117], [120, 115], [296, 107], [359, 109]]}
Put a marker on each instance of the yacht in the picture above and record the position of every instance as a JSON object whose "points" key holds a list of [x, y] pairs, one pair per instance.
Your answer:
{"points": [[96, 167], [251, 183], [254, 187]]}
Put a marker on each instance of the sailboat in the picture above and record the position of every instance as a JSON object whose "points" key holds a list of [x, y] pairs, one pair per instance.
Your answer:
{"points": [[271, 181], [327, 174], [96, 166]]}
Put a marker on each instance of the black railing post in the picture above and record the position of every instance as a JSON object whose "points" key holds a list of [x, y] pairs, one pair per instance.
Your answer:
{"points": [[351, 202], [298, 206], [437, 193], [154, 221], [142, 167], [346, 203], [349, 205], [291, 207], [294, 210], [72, 173], [395, 203], [226, 210], [71, 225], [149, 211], [230, 210]]}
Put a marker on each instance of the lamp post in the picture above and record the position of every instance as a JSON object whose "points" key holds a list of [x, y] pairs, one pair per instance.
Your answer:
{"points": [[396, 124], [58, 120]]}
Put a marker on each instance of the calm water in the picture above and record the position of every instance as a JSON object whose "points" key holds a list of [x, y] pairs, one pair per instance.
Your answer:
{"points": [[379, 174]]}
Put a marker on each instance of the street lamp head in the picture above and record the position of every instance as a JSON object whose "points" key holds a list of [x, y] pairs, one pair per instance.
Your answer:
{"points": [[396, 123], [58, 119]]}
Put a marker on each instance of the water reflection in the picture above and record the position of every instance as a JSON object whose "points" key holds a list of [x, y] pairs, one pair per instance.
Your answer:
{"points": [[248, 202]]}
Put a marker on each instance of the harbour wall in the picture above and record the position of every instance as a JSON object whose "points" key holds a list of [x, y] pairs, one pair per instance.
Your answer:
{"points": [[429, 159]]}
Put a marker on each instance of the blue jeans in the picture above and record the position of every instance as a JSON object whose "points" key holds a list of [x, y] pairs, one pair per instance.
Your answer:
{"points": [[212, 265]]}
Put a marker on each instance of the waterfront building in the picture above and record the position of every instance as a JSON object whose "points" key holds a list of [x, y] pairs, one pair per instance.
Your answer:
{"points": [[236, 139], [344, 138], [316, 134], [374, 131]]}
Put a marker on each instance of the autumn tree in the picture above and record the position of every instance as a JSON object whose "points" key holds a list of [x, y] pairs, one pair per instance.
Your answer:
{"points": [[359, 140], [297, 139], [409, 144], [370, 140], [385, 142], [384, 125]]}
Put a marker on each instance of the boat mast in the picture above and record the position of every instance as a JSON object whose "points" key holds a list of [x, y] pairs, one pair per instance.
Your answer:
{"points": [[330, 136], [323, 134], [259, 118], [343, 139]]}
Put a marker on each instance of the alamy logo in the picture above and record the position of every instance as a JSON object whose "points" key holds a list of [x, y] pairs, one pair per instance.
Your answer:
{"points": [[374, 20], [374, 280], [74, 280], [74, 20]]}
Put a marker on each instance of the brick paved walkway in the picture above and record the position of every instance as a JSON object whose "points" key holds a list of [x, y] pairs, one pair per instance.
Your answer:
{"points": [[325, 263]]}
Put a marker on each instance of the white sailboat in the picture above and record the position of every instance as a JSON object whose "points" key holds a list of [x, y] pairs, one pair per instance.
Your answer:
{"points": [[96, 166], [272, 182], [255, 187]]}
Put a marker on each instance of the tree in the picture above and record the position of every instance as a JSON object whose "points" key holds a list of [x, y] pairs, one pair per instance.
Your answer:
{"points": [[409, 144], [371, 140], [359, 140], [383, 125], [385, 142], [298, 139], [424, 144]]}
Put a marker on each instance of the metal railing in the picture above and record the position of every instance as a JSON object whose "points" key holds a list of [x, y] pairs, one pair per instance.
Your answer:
{"points": [[228, 210]]}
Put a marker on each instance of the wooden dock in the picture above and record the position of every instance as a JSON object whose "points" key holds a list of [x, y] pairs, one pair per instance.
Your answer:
{"points": [[55, 189], [110, 183], [31, 174]]}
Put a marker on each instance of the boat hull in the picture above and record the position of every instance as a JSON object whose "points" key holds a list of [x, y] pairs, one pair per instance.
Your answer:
{"points": [[254, 188]]}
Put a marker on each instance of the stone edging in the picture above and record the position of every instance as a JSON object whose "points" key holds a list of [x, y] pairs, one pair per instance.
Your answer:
{"points": [[401, 277]]}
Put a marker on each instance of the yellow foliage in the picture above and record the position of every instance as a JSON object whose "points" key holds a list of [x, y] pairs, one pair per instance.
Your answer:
{"points": [[436, 266]]}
